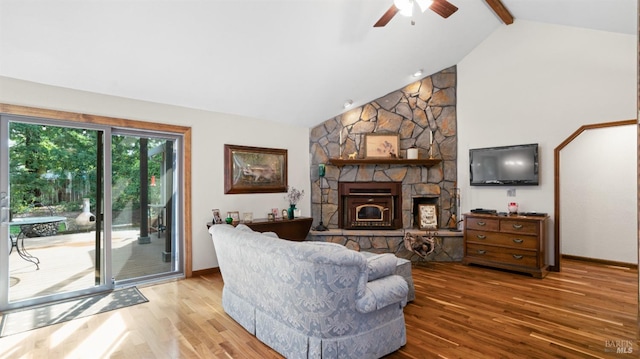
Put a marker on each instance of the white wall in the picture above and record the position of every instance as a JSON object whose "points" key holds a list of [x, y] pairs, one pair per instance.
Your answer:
{"points": [[599, 186], [210, 131], [538, 83]]}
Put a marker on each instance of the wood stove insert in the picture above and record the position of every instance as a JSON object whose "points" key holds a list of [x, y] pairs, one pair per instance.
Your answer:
{"points": [[370, 205]]}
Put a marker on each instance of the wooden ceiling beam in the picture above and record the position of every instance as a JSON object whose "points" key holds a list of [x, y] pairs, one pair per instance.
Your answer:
{"points": [[503, 13]]}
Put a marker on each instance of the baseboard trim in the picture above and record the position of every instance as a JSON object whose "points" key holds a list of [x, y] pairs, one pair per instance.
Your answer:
{"points": [[601, 261], [207, 271]]}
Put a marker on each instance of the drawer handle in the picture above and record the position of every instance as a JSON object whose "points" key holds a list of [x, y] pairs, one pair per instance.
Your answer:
{"points": [[517, 256], [481, 236], [518, 240], [517, 226], [482, 223], [482, 251]]}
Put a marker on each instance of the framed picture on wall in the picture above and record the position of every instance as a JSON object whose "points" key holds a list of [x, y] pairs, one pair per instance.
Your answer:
{"points": [[428, 216], [254, 169], [381, 145]]}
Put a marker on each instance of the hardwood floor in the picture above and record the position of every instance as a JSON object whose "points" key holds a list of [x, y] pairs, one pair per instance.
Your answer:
{"points": [[472, 312], [586, 311]]}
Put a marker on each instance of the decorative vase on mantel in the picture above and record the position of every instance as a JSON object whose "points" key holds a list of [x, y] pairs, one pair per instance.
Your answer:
{"points": [[291, 211]]}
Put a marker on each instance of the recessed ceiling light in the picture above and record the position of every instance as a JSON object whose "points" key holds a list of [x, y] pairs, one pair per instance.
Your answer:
{"points": [[348, 103], [418, 73]]}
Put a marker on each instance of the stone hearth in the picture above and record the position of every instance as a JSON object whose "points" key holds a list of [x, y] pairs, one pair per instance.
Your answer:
{"points": [[448, 245]]}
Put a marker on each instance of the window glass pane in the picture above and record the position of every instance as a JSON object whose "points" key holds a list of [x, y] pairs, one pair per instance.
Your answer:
{"points": [[142, 191], [56, 246]]}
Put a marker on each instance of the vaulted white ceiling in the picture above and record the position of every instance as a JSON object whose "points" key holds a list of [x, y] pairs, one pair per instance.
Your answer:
{"points": [[292, 61]]}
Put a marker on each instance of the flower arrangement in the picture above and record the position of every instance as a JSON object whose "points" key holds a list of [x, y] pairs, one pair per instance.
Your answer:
{"points": [[294, 195]]}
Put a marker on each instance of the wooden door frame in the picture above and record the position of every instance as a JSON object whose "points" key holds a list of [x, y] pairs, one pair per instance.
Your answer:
{"points": [[556, 182], [184, 131]]}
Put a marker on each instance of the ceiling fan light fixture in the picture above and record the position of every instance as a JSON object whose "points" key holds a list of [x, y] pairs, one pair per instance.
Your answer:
{"points": [[404, 6], [424, 4]]}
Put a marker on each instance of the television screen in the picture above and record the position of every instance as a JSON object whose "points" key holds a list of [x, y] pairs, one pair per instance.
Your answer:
{"points": [[504, 166]]}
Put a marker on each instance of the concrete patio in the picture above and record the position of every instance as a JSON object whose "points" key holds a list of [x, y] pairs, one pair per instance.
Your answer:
{"points": [[67, 262]]}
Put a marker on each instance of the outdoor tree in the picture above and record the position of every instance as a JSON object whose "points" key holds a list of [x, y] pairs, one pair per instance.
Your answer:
{"points": [[57, 166], [49, 165]]}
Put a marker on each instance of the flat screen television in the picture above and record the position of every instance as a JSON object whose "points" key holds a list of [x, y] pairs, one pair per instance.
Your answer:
{"points": [[504, 166]]}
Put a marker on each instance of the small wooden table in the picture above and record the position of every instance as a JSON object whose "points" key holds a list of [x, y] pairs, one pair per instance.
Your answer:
{"points": [[291, 229], [26, 225]]}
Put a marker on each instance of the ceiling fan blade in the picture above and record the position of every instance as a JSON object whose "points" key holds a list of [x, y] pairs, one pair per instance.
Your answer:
{"points": [[443, 8], [393, 10]]}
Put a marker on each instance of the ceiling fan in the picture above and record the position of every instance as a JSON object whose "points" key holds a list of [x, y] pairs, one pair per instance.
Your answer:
{"points": [[405, 7]]}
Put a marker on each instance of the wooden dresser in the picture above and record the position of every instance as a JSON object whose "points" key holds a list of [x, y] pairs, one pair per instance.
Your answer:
{"points": [[508, 242]]}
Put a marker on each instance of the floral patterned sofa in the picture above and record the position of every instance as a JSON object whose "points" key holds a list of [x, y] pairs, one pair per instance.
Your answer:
{"points": [[311, 299]]}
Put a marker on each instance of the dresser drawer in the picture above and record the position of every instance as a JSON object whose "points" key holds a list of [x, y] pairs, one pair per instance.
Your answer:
{"points": [[482, 224], [503, 255], [503, 239], [509, 242], [507, 225]]}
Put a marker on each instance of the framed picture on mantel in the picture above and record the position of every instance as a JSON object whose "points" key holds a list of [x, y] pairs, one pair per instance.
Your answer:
{"points": [[381, 145], [254, 169]]}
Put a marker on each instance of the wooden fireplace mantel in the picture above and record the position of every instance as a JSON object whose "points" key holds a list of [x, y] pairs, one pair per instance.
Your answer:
{"points": [[427, 162]]}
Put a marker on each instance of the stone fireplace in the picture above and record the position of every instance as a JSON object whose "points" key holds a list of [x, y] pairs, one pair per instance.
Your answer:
{"points": [[423, 115], [419, 113], [370, 205]]}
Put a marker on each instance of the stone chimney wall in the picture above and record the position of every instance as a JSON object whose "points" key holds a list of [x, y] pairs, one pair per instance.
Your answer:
{"points": [[412, 112]]}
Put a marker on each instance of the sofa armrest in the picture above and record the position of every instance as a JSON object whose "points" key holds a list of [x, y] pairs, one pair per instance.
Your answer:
{"points": [[383, 292], [381, 265]]}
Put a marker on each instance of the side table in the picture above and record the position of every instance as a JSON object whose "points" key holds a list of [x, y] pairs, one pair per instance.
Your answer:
{"points": [[295, 229]]}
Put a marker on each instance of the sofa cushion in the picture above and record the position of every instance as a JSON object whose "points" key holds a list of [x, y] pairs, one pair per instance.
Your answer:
{"points": [[244, 228], [381, 265], [326, 244]]}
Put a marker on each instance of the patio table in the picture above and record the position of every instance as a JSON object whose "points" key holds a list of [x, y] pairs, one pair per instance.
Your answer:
{"points": [[26, 225]]}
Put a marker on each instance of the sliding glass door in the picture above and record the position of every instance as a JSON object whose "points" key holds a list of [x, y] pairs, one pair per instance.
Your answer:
{"points": [[143, 192], [84, 209], [53, 193]]}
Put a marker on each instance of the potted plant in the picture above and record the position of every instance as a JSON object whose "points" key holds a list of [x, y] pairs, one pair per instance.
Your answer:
{"points": [[293, 196]]}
